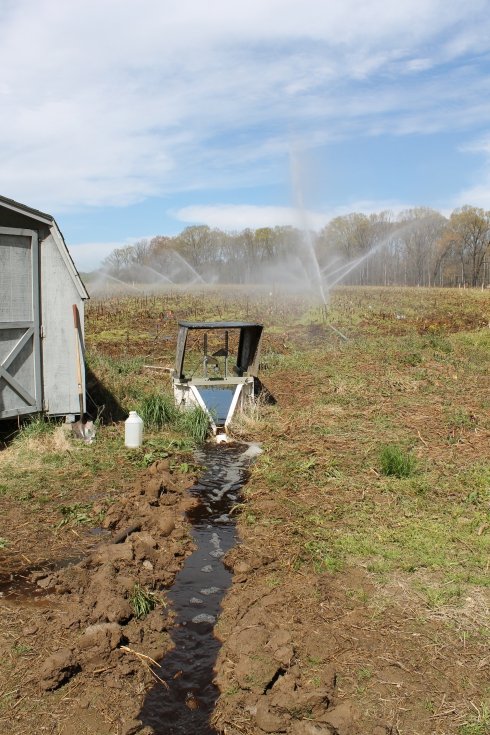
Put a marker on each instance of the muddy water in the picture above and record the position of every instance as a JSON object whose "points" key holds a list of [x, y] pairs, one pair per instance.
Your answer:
{"points": [[196, 596], [20, 588]]}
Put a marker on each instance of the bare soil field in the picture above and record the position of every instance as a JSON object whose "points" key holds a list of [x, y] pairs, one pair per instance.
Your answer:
{"points": [[361, 584]]}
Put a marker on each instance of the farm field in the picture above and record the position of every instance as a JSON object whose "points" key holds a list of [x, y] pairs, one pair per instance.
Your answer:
{"points": [[365, 524]]}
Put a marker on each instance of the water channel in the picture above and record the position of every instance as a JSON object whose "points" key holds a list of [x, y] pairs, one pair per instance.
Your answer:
{"points": [[196, 598]]}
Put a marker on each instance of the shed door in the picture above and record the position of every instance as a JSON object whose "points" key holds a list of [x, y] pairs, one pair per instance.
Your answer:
{"points": [[20, 363]]}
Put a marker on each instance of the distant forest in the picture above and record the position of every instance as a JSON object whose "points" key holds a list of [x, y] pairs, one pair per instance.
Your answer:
{"points": [[418, 247]]}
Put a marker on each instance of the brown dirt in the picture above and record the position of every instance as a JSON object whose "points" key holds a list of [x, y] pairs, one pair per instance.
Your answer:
{"points": [[81, 666], [398, 663], [296, 656]]}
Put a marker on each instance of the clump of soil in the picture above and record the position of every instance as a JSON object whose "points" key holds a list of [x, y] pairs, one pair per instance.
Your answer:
{"points": [[85, 628], [264, 683]]}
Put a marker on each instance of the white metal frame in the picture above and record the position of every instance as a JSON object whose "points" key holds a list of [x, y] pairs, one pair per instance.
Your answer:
{"points": [[187, 393]]}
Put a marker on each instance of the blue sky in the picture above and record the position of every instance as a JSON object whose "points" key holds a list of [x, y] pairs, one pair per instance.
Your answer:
{"points": [[130, 119]]}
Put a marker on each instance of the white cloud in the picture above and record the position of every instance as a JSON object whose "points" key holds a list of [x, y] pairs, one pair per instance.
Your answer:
{"points": [[240, 216], [419, 64], [108, 102], [89, 255], [476, 196]]}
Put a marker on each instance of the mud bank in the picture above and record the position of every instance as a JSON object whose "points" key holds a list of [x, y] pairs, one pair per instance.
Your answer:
{"points": [[268, 635], [75, 629]]}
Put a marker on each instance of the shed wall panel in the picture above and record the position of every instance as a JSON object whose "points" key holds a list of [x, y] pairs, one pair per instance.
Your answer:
{"points": [[21, 368], [15, 278], [18, 386], [58, 294]]}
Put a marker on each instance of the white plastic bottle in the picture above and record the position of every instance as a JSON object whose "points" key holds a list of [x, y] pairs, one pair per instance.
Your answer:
{"points": [[133, 430]]}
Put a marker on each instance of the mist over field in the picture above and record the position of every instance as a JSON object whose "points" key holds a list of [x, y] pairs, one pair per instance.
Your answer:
{"points": [[419, 247]]}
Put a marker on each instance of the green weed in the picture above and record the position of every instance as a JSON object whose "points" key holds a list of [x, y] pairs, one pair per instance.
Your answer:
{"points": [[36, 426], [182, 445], [439, 343], [20, 648], [364, 674], [411, 358], [396, 462], [158, 409], [75, 514], [477, 724], [459, 418], [195, 422], [143, 601]]}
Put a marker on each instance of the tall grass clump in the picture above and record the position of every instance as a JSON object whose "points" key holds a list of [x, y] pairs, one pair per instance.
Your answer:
{"points": [[396, 462], [158, 409], [37, 426], [195, 422]]}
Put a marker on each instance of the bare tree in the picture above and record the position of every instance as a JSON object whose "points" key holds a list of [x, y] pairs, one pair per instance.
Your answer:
{"points": [[141, 252], [420, 230], [420, 248], [118, 260], [469, 233]]}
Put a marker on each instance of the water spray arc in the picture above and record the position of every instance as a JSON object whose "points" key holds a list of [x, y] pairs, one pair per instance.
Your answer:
{"points": [[343, 267], [160, 275], [188, 265], [106, 275]]}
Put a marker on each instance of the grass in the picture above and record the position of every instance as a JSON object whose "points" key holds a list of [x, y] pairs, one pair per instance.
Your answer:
{"points": [[343, 481], [36, 426], [375, 455], [396, 462], [478, 724], [195, 423], [158, 409], [143, 601], [75, 514]]}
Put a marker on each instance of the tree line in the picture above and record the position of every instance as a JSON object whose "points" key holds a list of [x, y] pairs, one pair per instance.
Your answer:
{"points": [[418, 247]]}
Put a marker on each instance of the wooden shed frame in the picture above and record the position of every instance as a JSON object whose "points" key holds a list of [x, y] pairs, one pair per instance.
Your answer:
{"points": [[39, 284]]}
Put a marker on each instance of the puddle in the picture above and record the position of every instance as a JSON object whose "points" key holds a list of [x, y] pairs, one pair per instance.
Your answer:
{"points": [[196, 597], [18, 587]]}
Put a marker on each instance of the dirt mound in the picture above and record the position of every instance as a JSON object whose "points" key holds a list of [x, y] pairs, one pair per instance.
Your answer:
{"points": [[89, 609], [259, 664]]}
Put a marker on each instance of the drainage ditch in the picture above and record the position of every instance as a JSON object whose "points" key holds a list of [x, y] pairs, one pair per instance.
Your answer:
{"points": [[196, 596]]}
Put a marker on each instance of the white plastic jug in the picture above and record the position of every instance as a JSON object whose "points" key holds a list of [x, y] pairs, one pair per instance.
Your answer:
{"points": [[133, 430]]}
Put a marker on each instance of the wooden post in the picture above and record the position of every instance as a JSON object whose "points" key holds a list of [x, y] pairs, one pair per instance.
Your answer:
{"points": [[76, 322]]}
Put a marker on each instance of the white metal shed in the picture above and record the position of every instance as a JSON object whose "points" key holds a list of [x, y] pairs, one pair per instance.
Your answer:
{"points": [[39, 286]]}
